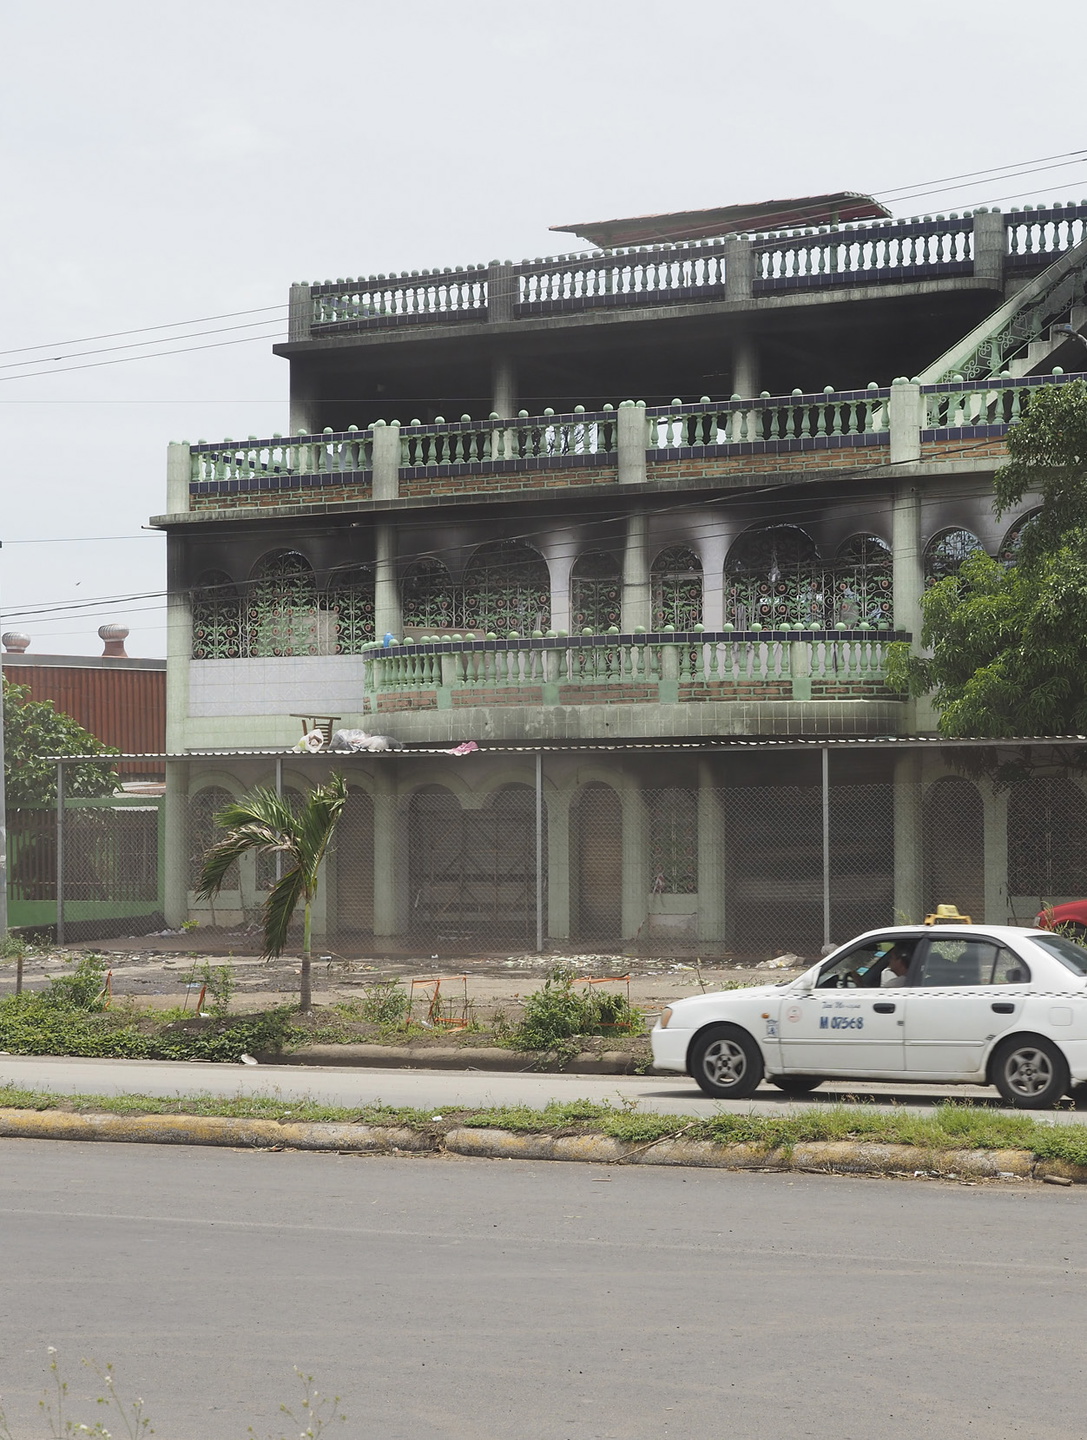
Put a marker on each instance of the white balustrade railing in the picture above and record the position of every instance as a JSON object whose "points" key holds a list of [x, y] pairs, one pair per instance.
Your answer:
{"points": [[250, 461], [622, 275], [769, 418], [524, 437], [392, 299], [695, 270], [846, 253], [1042, 231]]}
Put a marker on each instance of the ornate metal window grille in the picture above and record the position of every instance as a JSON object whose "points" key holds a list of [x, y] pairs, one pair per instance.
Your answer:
{"points": [[774, 577], [676, 579], [203, 833], [507, 587], [945, 553], [429, 598], [216, 618], [673, 841], [349, 601], [1009, 546], [863, 583], [282, 614], [596, 593]]}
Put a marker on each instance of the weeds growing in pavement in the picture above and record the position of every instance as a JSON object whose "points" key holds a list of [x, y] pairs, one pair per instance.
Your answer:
{"points": [[950, 1126], [220, 983], [314, 1415]]}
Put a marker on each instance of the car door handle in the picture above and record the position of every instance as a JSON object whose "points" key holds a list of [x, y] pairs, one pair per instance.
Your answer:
{"points": [[883, 1008], [1003, 1008]]}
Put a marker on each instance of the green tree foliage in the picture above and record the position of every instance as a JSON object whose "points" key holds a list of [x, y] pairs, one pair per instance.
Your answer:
{"points": [[36, 729], [266, 823], [1008, 643]]}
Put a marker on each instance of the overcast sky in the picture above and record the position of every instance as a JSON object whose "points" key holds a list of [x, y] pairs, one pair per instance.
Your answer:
{"points": [[167, 163]]}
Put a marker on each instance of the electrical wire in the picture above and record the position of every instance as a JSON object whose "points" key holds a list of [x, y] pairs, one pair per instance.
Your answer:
{"points": [[145, 329], [141, 344]]}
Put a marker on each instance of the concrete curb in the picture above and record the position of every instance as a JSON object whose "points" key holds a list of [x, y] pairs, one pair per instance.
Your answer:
{"points": [[401, 1057], [821, 1157]]}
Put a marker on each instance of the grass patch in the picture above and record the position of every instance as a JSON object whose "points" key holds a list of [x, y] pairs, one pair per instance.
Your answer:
{"points": [[951, 1126]]}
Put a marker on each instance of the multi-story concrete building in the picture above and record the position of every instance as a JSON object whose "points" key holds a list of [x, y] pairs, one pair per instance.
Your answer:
{"points": [[637, 510]]}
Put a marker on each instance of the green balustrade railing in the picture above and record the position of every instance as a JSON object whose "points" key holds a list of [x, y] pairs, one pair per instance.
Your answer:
{"points": [[249, 461], [598, 663], [523, 437], [769, 418]]}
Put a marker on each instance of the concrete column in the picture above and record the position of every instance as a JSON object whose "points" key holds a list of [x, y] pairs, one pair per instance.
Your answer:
{"points": [[501, 292], [637, 602], [990, 247], [906, 415], [908, 576], [712, 550], [909, 900], [504, 387], [178, 475], [560, 552], [631, 439], [387, 861], [176, 857], [745, 366], [387, 616], [995, 822], [711, 857], [558, 866], [635, 862], [299, 313], [385, 460], [739, 268]]}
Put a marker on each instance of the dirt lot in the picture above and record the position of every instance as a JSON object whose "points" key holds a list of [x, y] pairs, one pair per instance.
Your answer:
{"points": [[163, 970]]}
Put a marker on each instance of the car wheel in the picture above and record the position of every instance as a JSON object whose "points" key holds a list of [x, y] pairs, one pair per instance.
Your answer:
{"points": [[726, 1063], [796, 1084], [1030, 1073]]}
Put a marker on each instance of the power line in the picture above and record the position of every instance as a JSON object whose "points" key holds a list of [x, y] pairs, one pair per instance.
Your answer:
{"points": [[996, 173], [145, 329], [128, 359], [139, 345]]}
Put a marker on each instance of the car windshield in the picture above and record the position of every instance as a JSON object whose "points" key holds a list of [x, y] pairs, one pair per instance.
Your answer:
{"points": [[1066, 951]]}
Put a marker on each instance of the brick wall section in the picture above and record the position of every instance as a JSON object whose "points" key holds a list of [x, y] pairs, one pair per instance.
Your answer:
{"points": [[522, 695], [852, 690], [749, 690], [962, 447], [542, 479], [608, 695], [276, 499], [409, 700]]}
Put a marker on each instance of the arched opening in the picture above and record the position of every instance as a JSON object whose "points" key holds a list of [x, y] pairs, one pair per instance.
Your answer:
{"points": [[862, 586], [507, 586], [216, 618], [596, 593], [283, 618], [945, 553], [596, 826], [354, 861], [428, 597], [954, 847], [349, 602], [204, 805], [473, 872], [773, 578], [1047, 841], [1009, 546], [676, 579], [673, 841]]}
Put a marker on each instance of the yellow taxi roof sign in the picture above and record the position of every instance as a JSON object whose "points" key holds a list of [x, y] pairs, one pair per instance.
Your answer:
{"points": [[947, 915]]}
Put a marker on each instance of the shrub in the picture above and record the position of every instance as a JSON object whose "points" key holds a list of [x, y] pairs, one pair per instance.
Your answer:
{"points": [[557, 1013]]}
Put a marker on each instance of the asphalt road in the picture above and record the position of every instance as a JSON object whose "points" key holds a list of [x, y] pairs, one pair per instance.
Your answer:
{"points": [[462, 1298], [451, 1088]]}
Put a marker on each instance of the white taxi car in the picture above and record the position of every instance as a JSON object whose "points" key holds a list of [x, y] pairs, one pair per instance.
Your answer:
{"points": [[967, 1004]]}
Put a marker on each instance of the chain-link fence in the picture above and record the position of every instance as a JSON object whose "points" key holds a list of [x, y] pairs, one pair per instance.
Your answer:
{"points": [[653, 852], [87, 870], [699, 853]]}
